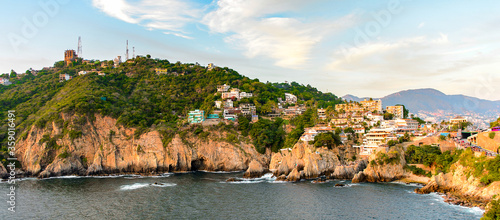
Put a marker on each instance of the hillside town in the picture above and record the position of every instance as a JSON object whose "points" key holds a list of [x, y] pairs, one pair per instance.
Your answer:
{"points": [[366, 124]]}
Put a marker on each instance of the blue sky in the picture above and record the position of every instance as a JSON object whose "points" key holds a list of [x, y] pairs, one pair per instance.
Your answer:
{"points": [[365, 48]]}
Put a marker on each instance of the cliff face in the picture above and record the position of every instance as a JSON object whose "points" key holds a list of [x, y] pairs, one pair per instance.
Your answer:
{"points": [[348, 172], [304, 161], [384, 170], [105, 148], [459, 185]]}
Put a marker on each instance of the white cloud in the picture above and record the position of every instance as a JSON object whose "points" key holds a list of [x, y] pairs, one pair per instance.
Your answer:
{"points": [[171, 15], [253, 26], [179, 35], [417, 56], [421, 25]]}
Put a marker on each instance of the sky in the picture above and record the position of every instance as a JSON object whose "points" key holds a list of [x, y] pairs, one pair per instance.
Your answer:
{"points": [[364, 48]]}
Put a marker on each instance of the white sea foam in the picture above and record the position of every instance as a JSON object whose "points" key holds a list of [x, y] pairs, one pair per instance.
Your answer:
{"points": [[245, 181], [134, 186], [64, 177], [142, 185], [474, 210], [162, 175], [164, 184], [408, 184]]}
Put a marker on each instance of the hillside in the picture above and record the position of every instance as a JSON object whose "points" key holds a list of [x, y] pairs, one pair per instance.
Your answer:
{"points": [[142, 101], [432, 100]]}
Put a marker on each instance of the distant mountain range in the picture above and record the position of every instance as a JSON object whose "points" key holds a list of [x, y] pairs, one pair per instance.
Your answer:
{"points": [[432, 100]]}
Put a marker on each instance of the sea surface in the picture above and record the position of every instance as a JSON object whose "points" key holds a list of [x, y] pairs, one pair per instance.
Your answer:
{"points": [[202, 195]]}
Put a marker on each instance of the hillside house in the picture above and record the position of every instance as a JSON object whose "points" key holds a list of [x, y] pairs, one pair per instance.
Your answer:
{"points": [[196, 116]]}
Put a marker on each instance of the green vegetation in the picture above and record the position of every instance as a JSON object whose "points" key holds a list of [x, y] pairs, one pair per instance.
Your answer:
{"points": [[492, 135], [137, 97], [329, 140], [495, 123], [493, 211], [432, 156], [308, 119], [483, 168], [268, 134], [388, 116], [418, 171], [64, 154], [392, 157], [420, 121], [487, 170], [74, 134]]}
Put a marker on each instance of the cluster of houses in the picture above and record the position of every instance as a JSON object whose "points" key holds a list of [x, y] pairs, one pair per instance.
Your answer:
{"points": [[225, 107], [66, 77], [365, 118]]}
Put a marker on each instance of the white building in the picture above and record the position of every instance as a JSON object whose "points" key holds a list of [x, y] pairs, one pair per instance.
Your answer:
{"points": [[234, 93], [65, 77], [117, 61], [218, 104], [406, 125], [228, 103], [223, 88], [378, 136], [245, 95], [290, 98], [248, 109], [82, 73], [5, 81]]}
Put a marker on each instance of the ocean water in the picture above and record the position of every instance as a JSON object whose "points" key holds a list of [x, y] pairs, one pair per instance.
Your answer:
{"points": [[202, 195]]}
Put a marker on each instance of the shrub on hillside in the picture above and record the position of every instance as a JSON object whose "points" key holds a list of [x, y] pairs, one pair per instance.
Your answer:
{"points": [[492, 135], [493, 212]]}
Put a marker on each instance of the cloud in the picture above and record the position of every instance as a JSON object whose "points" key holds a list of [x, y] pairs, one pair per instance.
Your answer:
{"points": [[255, 27], [414, 56], [421, 25], [179, 35], [169, 15]]}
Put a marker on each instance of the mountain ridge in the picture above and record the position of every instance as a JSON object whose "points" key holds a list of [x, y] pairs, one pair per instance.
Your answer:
{"points": [[433, 100]]}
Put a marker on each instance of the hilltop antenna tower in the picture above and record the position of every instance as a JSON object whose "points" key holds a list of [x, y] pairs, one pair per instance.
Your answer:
{"points": [[133, 52], [79, 54], [126, 54]]}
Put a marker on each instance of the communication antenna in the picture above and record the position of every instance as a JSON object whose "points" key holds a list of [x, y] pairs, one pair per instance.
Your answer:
{"points": [[126, 55], [133, 52], [79, 54]]}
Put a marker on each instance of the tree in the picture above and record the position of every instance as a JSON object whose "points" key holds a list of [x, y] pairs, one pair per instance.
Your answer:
{"points": [[464, 124], [329, 140], [420, 121], [495, 123], [13, 74], [388, 116], [243, 124], [404, 138]]}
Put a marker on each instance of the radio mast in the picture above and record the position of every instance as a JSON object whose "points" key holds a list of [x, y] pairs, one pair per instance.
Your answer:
{"points": [[79, 53], [126, 54]]}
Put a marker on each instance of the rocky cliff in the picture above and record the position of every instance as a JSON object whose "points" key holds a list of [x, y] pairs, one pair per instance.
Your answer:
{"points": [[303, 161], [384, 166], [349, 171], [102, 147], [466, 189]]}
